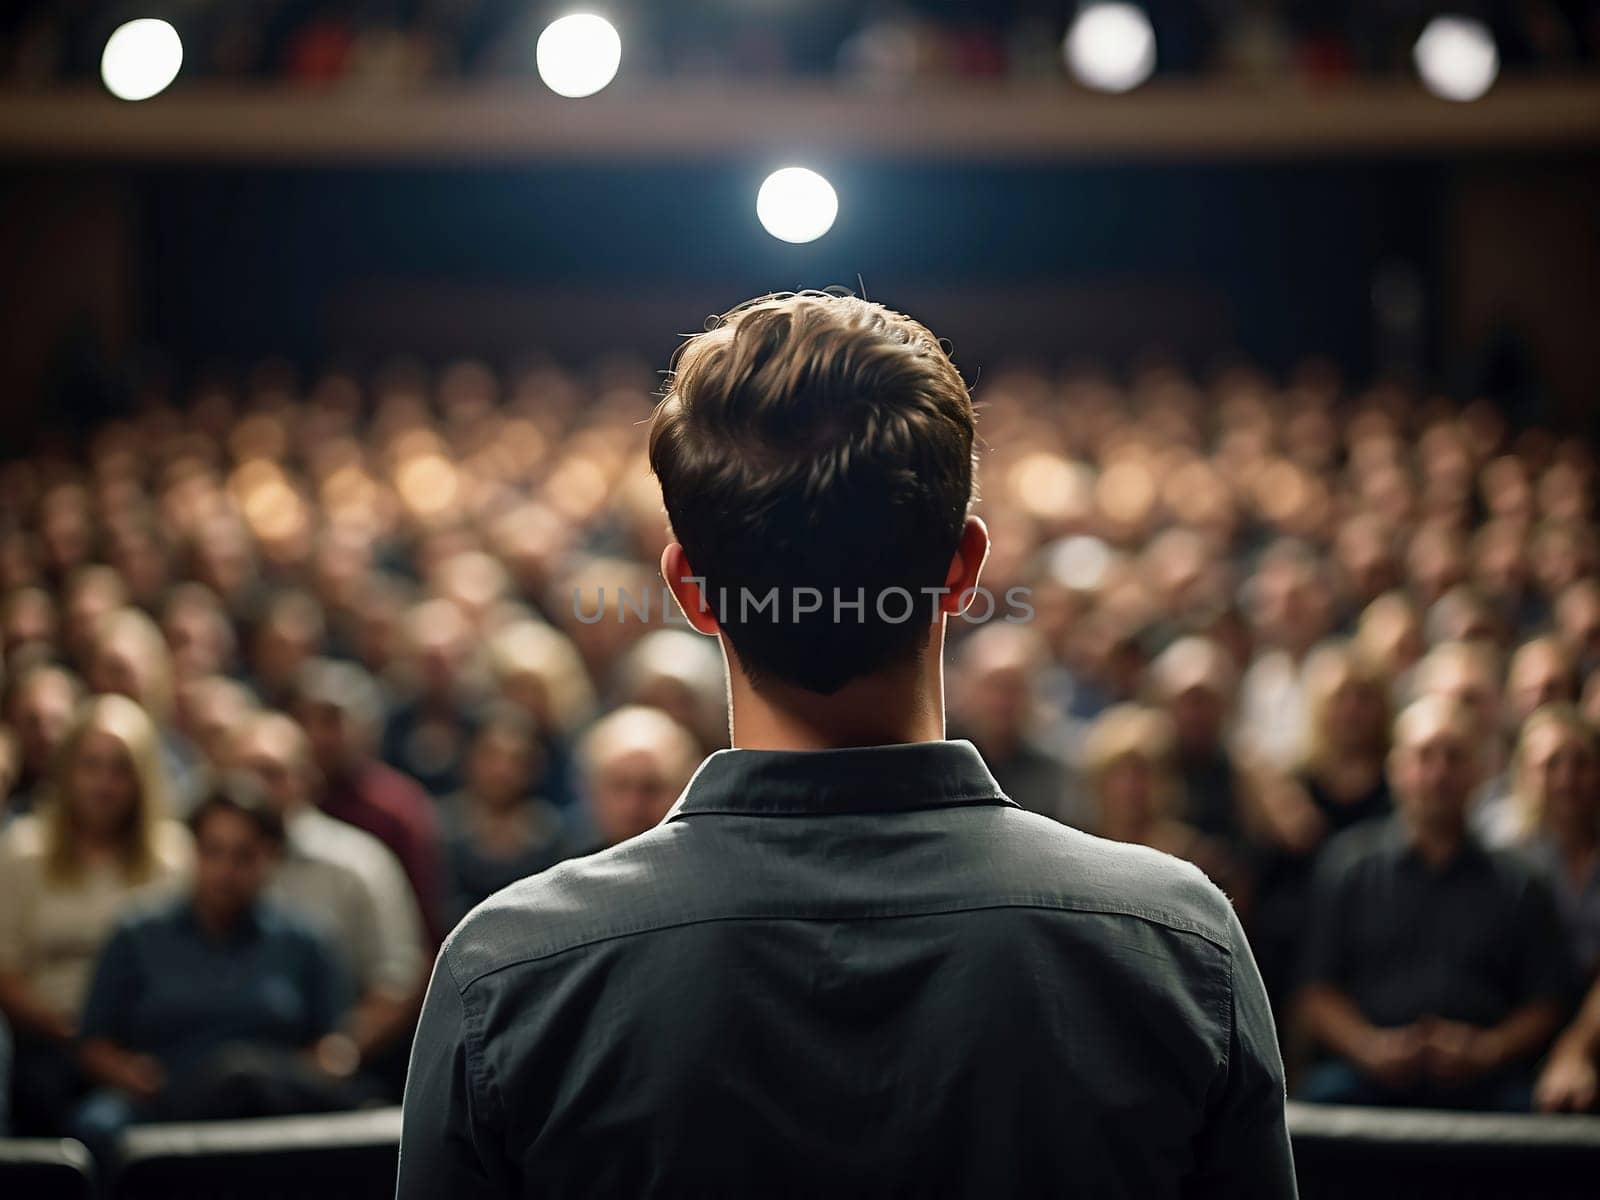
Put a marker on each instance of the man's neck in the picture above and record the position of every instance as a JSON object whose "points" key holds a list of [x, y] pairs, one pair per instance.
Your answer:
{"points": [[879, 710]]}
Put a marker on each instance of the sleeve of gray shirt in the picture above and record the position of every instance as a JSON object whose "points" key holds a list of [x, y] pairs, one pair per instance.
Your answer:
{"points": [[445, 1123], [1244, 1151]]}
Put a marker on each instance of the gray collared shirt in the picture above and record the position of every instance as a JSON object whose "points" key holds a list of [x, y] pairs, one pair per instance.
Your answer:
{"points": [[856, 972]]}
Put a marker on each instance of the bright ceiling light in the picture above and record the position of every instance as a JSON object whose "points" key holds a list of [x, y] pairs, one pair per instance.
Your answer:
{"points": [[578, 55], [797, 205], [140, 59], [1111, 47], [1456, 58]]}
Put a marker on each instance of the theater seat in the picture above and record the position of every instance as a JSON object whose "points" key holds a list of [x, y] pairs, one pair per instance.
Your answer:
{"points": [[346, 1155], [54, 1167], [1372, 1154]]}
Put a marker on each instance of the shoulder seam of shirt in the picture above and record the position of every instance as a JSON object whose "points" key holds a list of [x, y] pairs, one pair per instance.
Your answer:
{"points": [[1166, 920]]}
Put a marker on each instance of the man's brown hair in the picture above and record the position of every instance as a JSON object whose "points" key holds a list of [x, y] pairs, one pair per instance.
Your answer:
{"points": [[815, 440]]}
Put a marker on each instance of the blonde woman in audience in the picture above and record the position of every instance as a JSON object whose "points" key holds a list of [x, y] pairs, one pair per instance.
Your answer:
{"points": [[1338, 784], [1129, 757], [538, 669], [101, 840]]}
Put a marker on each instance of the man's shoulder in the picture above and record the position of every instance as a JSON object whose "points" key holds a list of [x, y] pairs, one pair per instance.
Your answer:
{"points": [[1079, 871], [624, 889], [655, 881]]}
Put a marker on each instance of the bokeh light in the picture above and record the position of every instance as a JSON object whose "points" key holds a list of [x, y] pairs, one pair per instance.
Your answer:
{"points": [[796, 204], [578, 55], [1111, 47], [1456, 58], [141, 59]]}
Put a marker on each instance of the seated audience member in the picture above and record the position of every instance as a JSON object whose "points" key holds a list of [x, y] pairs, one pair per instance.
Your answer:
{"points": [[680, 673], [1470, 674], [211, 709], [1388, 640], [66, 873], [996, 705], [1462, 615], [427, 733], [1577, 616], [538, 669], [1556, 796], [343, 882], [27, 626], [340, 708], [633, 764], [1435, 971], [1128, 759], [91, 594], [1292, 610], [290, 632], [198, 631], [1539, 673], [39, 708], [1195, 682], [496, 830], [131, 658], [215, 1004], [1340, 784]]}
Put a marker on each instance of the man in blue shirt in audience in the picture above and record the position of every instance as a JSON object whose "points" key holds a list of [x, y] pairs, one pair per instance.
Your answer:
{"points": [[215, 1004]]}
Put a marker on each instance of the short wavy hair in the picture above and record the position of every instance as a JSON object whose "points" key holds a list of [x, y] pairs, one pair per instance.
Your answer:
{"points": [[817, 440]]}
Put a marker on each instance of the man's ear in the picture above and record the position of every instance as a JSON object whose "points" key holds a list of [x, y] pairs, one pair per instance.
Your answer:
{"points": [[688, 590], [965, 566]]}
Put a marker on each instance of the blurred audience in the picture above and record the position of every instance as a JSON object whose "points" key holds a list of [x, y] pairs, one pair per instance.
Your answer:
{"points": [[423, 614]]}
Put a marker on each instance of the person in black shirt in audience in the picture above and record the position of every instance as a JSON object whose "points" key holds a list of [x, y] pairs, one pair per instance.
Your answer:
{"points": [[216, 1004], [1435, 971]]}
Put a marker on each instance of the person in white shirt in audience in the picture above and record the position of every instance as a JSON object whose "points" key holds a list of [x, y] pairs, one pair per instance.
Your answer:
{"points": [[343, 881]]}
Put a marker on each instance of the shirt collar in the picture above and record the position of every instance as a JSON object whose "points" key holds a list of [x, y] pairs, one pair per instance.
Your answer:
{"points": [[857, 779]]}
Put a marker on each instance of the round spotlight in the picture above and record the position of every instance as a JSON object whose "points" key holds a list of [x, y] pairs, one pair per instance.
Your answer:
{"points": [[140, 59], [797, 205], [578, 55], [1111, 47], [1456, 58]]}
